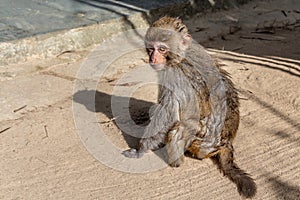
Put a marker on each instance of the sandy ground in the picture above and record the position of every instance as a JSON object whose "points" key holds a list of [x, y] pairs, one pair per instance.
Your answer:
{"points": [[42, 156]]}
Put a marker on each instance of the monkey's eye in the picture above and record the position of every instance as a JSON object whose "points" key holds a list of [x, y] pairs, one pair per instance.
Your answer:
{"points": [[150, 49], [162, 49]]}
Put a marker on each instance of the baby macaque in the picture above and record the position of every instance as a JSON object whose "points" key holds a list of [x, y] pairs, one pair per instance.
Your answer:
{"points": [[198, 111]]}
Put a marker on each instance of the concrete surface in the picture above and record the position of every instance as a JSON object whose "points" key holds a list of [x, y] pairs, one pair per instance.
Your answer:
{"points": [[43, 28], [25, 18]]}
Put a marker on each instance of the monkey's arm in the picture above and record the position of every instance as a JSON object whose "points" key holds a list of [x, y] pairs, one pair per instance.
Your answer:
{"points": [[164, 117], [175, 145], [152, 143]]}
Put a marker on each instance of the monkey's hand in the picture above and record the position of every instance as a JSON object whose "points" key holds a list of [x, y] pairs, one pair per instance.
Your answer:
{"points": [[133, 153]]}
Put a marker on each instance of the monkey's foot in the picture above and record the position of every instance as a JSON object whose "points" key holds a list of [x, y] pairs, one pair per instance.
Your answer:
{"points": [[133, 153], [177, 162]]}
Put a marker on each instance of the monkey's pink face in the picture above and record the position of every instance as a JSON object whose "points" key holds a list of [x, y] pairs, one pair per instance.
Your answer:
{"points": [[157, 52]]}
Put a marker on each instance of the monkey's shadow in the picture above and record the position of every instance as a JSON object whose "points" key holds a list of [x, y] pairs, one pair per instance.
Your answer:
{"points": [[138, 109]]}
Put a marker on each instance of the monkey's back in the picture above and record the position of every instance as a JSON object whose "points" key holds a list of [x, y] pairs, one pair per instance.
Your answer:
{"points": [[208, 100]]}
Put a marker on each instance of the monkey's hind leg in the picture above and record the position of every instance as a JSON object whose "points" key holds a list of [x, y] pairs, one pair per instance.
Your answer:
{"points": [[225, 162], [197, 152]]}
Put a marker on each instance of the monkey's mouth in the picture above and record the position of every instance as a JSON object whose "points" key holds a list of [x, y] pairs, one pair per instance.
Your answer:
{"points": [[157, 67]]}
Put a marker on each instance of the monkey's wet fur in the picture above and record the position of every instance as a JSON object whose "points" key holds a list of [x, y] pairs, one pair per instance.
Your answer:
{"points": [[198, 111]]}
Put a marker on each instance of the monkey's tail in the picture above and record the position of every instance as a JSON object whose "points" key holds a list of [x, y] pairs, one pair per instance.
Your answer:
{"points": [[225, 162]]}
